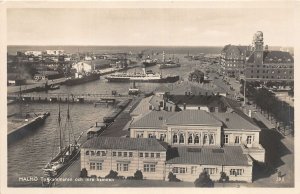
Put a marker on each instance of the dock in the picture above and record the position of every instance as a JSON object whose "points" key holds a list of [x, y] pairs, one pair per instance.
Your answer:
{"points": [[66, 97]]}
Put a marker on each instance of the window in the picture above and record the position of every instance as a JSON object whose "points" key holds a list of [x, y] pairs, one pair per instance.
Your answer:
{"points": [[193, 169], [87, 153], [162, 137], [152, 155], [125, 154], [190, 139], [205, 139], [157, 155], [122, 167], [149, 167], [249, 139], [211, 139], [92, 153], [141, 155], [146, 155], [150, 135], [119, 154], [130, 154], [237, 139], [210, 170], [99, 166], [175, 138], [114, 153], [196, 140], [236, 172], [181, 138], [180, 170], [98, 153], [103, 153], [92, 166], [257, 71], [226, 138]]}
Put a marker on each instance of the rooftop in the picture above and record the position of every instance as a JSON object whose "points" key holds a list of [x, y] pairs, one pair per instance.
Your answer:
{"points": [[274, 57], [193, 117], [154, 119], [143, 144], [228, 155], [235, 121]]}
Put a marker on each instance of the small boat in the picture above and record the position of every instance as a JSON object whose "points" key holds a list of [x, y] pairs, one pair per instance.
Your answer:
{"points": [[54, 87]]}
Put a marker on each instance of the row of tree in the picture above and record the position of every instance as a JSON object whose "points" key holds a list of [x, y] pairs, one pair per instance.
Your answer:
{"points": [[266, 100]]}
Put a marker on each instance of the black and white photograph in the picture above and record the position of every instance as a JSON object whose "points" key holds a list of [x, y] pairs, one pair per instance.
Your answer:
{"points": [[140, 95]]}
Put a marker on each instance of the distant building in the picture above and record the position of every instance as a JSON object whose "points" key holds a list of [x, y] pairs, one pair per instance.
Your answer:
{"points": [[34, 53], [233, 59], [265, 65], [55, 52], [196, 76]]}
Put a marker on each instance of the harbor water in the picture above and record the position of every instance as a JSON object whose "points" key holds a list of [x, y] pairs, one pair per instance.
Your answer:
{"points": [[27, 156]]}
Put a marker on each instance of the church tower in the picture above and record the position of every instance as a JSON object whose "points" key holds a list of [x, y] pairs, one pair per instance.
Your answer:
{"points": [[258, 43]]}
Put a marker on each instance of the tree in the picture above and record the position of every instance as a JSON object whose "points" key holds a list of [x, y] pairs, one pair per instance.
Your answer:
{"points": [[223, 178], [83, 173], [172, 177], [138, 175], [203, 180], [112, 174]]}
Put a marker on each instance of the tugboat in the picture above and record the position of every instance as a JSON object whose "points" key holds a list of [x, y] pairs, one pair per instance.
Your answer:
{"points": [[169, 64], [64, 157], [149, 62]]}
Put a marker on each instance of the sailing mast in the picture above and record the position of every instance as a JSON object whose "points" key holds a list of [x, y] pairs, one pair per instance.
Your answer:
{"points": [[59, 125]]}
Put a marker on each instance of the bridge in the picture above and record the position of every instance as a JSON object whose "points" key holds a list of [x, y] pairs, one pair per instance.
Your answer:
{"points": [[67, 97]]}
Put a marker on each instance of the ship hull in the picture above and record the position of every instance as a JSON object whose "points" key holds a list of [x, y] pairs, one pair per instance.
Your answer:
{"points": [[170, 79], [76, 81], [168, 66], [149, 64]]}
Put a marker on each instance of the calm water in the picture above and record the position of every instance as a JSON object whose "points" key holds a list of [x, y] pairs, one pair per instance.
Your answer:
{"points": [[27, 157]]}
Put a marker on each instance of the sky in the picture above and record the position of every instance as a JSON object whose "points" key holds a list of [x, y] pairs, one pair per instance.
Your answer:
{"points": [[146, 26]]}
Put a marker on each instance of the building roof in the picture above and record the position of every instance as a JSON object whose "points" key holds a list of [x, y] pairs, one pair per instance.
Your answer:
{"points": [[228, 155], [274, 57], [193, 117], [154, 119], [234, 121], [143, 144], [236, 51], [142, 107], [162, 88]]}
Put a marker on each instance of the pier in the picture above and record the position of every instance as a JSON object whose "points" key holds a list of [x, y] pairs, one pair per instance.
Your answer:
{"points": [[66, 97]]}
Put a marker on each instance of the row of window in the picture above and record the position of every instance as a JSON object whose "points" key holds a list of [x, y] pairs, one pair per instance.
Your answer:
{"points": [[210, 171], [272, 77], [267, 71], [238, 139], [122, 167], [194, 139], [162, 137], [149, 155], [103, 153], [274, 66]]}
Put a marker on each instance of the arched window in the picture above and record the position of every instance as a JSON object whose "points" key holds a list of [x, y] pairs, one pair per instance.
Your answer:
{"points": [[175, 138], [181, 138], [92, 153], [190, 139], [211, 139], [98, 153], [87, 153], [205, 139], [196, 139]]}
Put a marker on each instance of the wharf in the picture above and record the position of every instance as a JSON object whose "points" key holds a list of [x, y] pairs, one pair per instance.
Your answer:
{"points": [[18, 128], [33, 87], [113, 70], [66, 97]]}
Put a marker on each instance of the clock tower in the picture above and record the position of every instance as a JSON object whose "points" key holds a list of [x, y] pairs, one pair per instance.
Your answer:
{"points": [[258, 42]]}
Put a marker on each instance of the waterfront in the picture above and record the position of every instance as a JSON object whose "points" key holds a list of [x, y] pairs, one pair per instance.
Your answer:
{"points": [[27, 156]]}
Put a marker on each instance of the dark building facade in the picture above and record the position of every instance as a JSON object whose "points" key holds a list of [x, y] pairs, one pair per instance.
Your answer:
{"points": [[233, 59], [266, 65]]}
